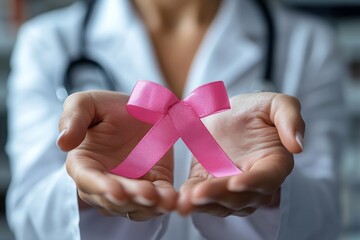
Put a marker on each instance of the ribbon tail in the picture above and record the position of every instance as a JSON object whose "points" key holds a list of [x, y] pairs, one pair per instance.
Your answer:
{"points": [[154, 145], [201, 143]]}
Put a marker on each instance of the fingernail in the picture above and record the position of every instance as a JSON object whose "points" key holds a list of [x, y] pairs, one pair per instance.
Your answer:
{"points": [[59, 137], [143, 201], [299, 139], [114, 200]]}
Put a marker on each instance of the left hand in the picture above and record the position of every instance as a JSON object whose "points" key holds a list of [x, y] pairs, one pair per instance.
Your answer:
{"points": [[259, 133]]}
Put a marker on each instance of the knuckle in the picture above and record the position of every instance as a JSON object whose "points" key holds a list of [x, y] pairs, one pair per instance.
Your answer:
{"points": [[288, 98], [281, 97], [78, 99]]}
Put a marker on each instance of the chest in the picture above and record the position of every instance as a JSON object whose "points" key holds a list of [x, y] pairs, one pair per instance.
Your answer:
{"points": [[175, 53], [185, 61]]}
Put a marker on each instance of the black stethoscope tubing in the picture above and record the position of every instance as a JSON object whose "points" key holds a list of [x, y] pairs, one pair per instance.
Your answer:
{"points": [[84, 60], [270, 44]]}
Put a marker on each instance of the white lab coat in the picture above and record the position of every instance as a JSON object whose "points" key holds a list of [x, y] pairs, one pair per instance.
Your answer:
{"points": [[42, 200]]}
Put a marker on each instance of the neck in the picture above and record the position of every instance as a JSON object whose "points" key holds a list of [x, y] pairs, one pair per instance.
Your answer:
{"points": [[170, 14]]}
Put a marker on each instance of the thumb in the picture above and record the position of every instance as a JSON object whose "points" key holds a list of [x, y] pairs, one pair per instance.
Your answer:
{"points": [[77, 116], [285, 113]]}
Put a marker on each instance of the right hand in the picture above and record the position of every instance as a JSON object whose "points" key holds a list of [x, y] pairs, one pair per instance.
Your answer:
{"points": [[98, 134]]}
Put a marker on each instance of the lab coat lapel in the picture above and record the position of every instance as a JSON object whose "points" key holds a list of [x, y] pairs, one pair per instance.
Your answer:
{"points": [[230, 51]]}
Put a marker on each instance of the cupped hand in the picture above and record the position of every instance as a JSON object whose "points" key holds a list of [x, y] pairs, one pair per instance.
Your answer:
{"points": [[98, 134], [260, 134]]}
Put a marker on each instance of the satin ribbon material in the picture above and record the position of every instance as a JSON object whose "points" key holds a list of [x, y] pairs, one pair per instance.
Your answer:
{"points": [[173, 118]]}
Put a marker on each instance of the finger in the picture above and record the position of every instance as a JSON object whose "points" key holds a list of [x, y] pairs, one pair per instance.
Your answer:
{"points": [[285, 113], [108, 207], [108, 213], [141, 216], [244, 212], [215, 191], [136, 211], [141, 192], [209, 190], [221, 211], [168, 196], [214, 210], [184, 204], [264, 176], [78, 115], [91, 178], [105, 203], [85, 200]]}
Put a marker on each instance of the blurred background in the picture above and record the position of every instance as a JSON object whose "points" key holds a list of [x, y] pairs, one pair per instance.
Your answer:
{"points": [[343, 15]]}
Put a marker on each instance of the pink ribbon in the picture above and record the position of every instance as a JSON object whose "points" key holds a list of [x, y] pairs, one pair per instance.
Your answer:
{"points": [[173, 118]]}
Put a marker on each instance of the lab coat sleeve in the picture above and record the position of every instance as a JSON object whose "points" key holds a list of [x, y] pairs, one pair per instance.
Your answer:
{"points": [[42, 198], [309, 197]]}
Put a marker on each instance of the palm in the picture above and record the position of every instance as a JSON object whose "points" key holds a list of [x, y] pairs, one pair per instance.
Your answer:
{"points": [[247, 133], [110, 141], [248, 136]]}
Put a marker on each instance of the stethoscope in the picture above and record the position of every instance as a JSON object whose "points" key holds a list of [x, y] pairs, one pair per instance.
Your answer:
{"points": [[83, 60]]}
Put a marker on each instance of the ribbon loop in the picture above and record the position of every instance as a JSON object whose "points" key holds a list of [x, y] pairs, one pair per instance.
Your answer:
{"points": [[150, 101], [172, 119], [209, 99]]}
